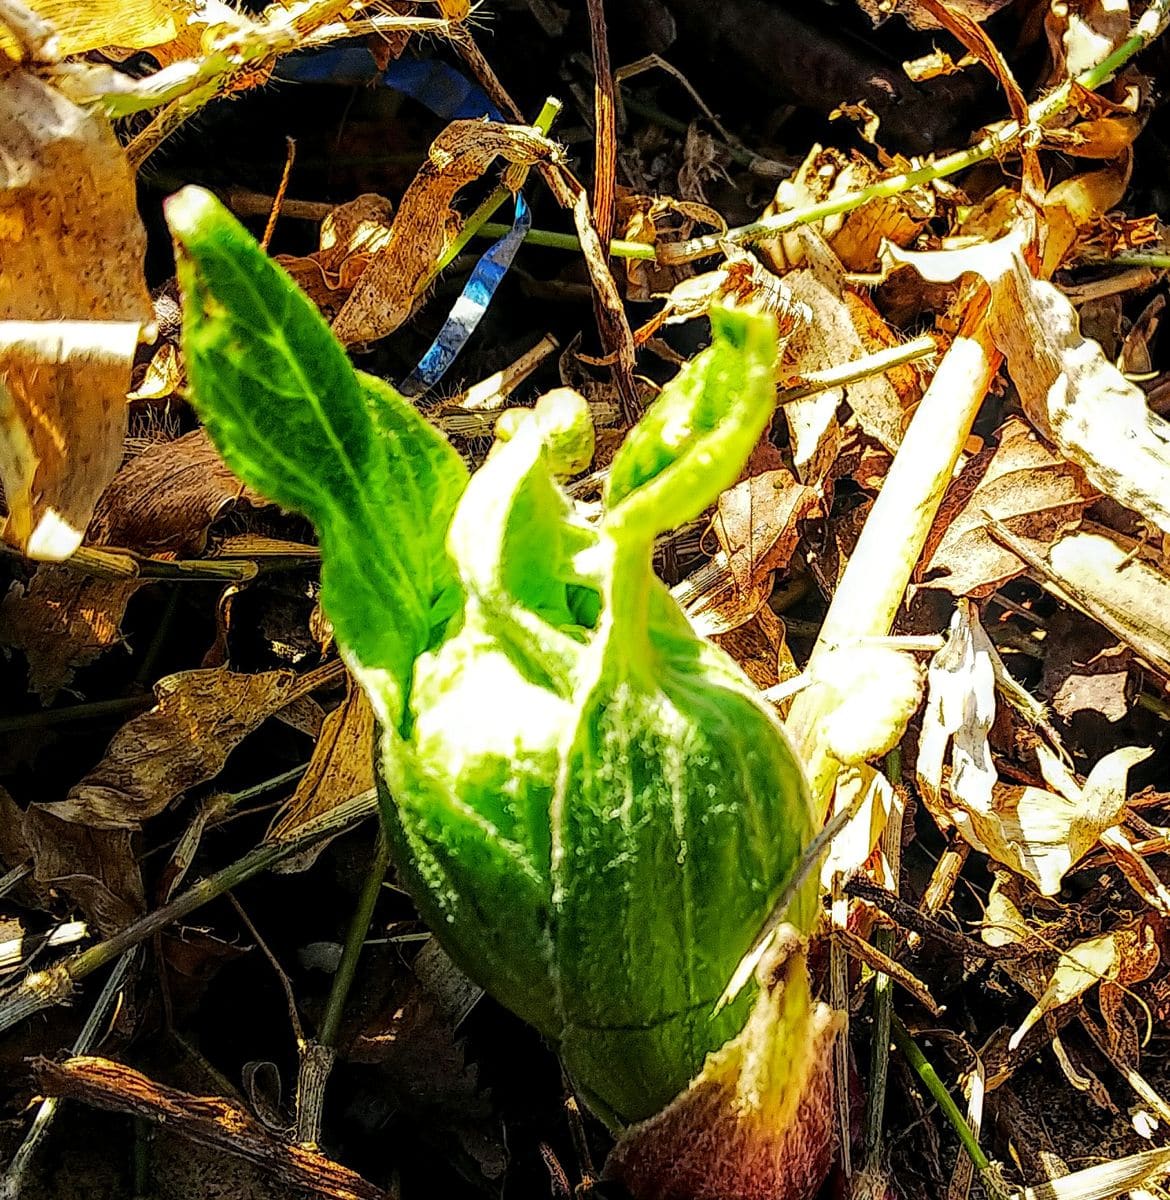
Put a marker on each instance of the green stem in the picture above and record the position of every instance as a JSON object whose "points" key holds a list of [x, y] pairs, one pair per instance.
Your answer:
{"points": [[570, 241], [358, 929], [1152, 22], [935, 1086], [1160, 262], [474, 223], [883, 987], [316, 1056]]}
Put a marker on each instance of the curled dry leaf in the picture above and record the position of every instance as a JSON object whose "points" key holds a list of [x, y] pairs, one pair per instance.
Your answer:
{"points": [[919, 17], [200, 717], [960, 710], [387, 289], [1100, 128], [1041, 834], [162, 501], [741, 278], [1092, 961], [166, 498], [96, 867], [856, 237], [63, 620], [73, 302], [876, 799], [829, 338], [1138, 957], [351, 236], [82, 844], [1021, 483], [342, 766], [757, 526], [1071, 393], [1075, 208]]}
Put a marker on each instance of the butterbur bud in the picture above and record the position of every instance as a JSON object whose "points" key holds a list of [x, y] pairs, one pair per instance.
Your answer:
{"points": [[597, 812], [594, 811]]}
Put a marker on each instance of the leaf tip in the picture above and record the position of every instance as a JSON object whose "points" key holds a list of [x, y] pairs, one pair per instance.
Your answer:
{"points": [[189, 210]]}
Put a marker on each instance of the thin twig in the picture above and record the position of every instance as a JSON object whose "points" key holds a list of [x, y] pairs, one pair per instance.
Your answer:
{"points": [[13, 1178], [43, 989], [604, 128], [316, 1057], [208, 1120], [997, 143]]}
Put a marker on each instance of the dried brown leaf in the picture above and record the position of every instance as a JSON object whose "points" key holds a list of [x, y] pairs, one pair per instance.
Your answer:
{"points": [[1075, 207], [1115, 587], [342, 766], [1020, 483], [200, 717], [73, 302], [757, 526], [63, 620], [919, 17], [839, 330], [160, 502], [1138, 957], [740, 278], [759, 646], [98, 24], [166, 499], [1091, 961], [96, 867], [856, 237], [351, 236], [387, 289], [755, 521]]}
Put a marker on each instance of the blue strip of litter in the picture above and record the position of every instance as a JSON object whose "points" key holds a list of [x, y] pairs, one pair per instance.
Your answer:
{"points": [[470, 307], [450, 95]]}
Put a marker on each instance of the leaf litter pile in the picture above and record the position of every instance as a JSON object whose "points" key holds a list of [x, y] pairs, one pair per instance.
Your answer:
{"points": [[945, 564]]}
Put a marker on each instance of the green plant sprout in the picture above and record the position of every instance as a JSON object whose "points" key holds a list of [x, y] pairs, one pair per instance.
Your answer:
{"points": [[593, 809]]}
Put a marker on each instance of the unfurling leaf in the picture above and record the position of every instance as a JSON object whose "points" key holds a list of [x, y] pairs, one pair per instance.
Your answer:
{"points": [[375, 479]]}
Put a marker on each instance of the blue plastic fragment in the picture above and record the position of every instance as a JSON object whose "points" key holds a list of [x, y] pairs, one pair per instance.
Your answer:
{"points": [[450, 95], [470, 307]]}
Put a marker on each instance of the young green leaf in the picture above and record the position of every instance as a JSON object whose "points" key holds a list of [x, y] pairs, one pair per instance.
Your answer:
{"points": [[694, 439], [292, 418]]}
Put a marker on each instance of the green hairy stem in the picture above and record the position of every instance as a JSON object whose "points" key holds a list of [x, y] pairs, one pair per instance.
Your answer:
{"points": [[592, 808]]}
